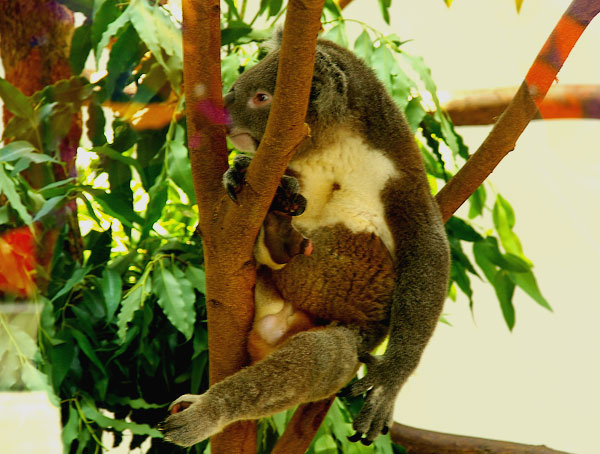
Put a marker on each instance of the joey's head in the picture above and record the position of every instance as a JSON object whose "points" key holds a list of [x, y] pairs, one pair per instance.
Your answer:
{"points": [[250, 98], [279, 242]]}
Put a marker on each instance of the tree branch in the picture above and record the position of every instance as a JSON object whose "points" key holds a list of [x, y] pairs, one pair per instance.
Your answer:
{"points": [[417, 441], [483, 107], [522, 108], [229, 230]]}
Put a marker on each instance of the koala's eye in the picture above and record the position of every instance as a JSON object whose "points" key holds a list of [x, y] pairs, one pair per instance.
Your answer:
{"points": [[260, 99]]}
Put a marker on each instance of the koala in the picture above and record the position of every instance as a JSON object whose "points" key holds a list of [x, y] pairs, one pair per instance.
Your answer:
{"points": [[380, 264]]}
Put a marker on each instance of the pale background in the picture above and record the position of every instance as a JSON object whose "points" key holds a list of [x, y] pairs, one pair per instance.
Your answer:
{"points": [[538, 385]]}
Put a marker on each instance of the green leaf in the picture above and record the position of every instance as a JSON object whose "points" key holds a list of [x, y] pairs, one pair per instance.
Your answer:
{"points": [[61, 357], [158, 32], [116, 207], [477, 202], [458, 228], [70, 430], [385, 5], [178, 308], [16, 150], [86, 347], [363, 47], [75, 279], [112, 291], [338, 35], [197, 278], [230, 70], [7, 187], [133, 301], [415, 113], [15, 101], [459, 275], [91, 412], [81, 45], [178, 165], [505, 289], [233, 32], [48, 207], [385, 65], [504, 221], [527, 282], [107, 22]]}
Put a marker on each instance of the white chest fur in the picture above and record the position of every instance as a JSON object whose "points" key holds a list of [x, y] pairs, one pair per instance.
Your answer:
{"points": [[342, 184]]}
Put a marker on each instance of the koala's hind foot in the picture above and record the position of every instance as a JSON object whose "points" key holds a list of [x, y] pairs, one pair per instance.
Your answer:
{"points": [[193, 419]]}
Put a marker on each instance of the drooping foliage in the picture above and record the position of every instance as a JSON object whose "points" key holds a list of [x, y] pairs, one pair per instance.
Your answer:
{"points": [[123, 332]]}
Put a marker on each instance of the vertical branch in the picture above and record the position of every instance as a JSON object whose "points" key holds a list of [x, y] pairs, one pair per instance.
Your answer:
{"points": [[522, 109], [229, 230]]}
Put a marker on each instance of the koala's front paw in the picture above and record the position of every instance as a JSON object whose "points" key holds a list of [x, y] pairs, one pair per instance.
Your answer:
{"points": [[376, 416], [192, 420], [287, 199], [234, 177]]}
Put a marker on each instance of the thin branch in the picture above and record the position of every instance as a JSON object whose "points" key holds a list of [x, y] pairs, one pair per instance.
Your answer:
{"points": [[418, 441], [483, 107], [521, 110], [302, 427]]}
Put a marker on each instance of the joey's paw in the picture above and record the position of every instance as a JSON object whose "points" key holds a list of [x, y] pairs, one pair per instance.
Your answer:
{"points": [[376, 416], [192, 420], [233, 178], [287, 199]]}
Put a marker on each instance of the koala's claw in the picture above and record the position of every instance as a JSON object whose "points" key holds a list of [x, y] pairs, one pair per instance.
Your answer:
{"points": [[293, 205], [354, 438], [234, 177]]}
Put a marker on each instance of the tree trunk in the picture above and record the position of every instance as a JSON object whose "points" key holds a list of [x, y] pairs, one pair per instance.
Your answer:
{"points": [[35, 41]]}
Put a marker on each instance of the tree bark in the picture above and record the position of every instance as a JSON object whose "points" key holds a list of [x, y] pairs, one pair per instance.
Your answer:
{"points": [[417, 441], [483, 107], [229, 230], [521, 110]]}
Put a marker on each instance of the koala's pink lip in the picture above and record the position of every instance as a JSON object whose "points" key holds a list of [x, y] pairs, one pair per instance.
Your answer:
{"points": [[243, 140]]}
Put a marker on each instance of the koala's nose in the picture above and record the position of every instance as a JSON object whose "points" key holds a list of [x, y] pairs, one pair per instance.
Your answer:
{"points": [[229, 98]]}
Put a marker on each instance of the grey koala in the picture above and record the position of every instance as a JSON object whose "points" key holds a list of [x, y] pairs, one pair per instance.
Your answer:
{"points": [[380, 263]]}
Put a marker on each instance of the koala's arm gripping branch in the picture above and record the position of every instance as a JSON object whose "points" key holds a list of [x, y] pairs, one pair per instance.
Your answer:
{"points": [[286, 129], [522, 108]]}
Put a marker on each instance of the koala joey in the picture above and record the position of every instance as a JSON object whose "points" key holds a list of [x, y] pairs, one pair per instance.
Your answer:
{"points": [[380, 263]]}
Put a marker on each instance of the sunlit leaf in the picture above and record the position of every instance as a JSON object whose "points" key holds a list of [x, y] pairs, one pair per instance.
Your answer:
{"points": [[527, 282], [505, 289], [91, 412], [504, 221], [518, 4], [133, 301]]}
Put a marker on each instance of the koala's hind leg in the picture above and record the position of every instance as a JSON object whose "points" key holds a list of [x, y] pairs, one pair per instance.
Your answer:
{"points": [[309, 366]]}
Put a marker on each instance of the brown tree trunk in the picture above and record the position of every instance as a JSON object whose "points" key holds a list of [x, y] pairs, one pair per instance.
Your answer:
{"points": [[35, 41], [229, 230]]}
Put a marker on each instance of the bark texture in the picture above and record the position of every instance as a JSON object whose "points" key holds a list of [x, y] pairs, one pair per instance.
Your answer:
{"points": [[229, 230], [417, 441]]}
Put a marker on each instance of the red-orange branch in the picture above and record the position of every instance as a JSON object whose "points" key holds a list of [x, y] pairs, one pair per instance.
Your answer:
{"points": [[522, 108], [483, 107]]}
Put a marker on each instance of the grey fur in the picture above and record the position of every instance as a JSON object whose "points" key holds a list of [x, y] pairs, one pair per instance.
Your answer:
{"points": [[346, 95]]}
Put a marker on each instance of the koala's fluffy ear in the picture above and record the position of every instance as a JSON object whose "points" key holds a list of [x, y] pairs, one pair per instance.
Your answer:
{"points": [[329, 92], [274, 42]]}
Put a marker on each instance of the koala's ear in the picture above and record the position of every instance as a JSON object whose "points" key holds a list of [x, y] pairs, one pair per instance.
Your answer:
{"points": [[329, 91], [275, 42]]}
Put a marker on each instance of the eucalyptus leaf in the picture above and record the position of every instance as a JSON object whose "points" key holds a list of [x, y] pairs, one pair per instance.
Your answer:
{"points": [[132, 302], [7, 187], [505, 289], [170, 293], [16, 150], [528, 283], [112, 291], [91, 412], [15, 101], [48, 207]]}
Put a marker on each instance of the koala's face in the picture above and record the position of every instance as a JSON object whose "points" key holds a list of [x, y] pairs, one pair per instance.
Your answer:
{"points": [[249, 101]]}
